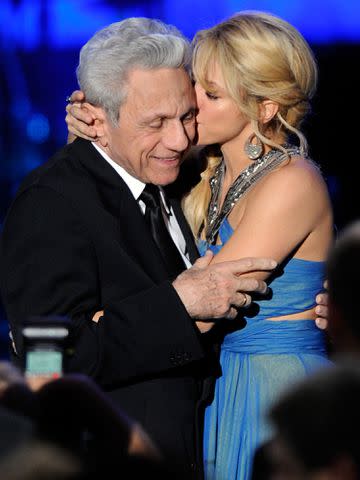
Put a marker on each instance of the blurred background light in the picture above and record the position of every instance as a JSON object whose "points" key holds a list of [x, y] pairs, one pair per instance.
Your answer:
{"points": [[38, 128]]}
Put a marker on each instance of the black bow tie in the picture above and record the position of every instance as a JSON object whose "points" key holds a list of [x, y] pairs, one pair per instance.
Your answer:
{"points": [[155, 220]]}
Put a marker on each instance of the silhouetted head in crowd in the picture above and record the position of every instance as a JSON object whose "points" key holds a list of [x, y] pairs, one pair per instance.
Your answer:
{"points": [[317, 426], [41, 461], [344, 263]]}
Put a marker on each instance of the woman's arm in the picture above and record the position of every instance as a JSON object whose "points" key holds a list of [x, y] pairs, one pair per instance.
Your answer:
{"points": [[288, 211]]}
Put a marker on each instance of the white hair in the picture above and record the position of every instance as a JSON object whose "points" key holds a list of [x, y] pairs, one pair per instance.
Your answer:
{"points": [[107, 58]]}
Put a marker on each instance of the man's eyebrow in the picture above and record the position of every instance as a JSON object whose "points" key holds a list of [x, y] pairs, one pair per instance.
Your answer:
{"points": [[155, 116], [162, 115]]}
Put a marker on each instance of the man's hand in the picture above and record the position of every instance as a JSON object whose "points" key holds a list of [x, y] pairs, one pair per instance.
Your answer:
{"points": [[321, 309], [79, 119], [217, 290]]}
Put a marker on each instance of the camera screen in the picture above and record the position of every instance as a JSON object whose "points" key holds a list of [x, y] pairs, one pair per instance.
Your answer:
{"points": [[44, 362]]}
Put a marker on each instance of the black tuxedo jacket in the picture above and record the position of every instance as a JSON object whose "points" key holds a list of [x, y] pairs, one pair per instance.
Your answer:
{"points": [[75, 242]]}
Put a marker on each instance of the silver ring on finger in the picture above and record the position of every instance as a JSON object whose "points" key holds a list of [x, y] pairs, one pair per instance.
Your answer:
{"points": [[247, 300], [244, 302]]}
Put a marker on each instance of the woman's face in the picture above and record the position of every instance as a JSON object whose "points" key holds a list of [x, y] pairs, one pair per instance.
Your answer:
{"points": [[219, 119]]}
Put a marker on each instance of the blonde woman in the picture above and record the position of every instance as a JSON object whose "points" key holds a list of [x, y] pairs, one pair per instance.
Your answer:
{"points": [[260, 195]]}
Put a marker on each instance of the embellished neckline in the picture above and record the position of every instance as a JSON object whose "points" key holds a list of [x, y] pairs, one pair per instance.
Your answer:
{"points": [[246, 179]]}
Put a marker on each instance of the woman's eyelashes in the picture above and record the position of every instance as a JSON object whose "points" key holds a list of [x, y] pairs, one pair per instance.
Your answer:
{"points": [[211, 95]]}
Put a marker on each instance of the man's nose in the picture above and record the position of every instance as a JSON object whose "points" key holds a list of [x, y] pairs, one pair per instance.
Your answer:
{"points": [[176, 137]]}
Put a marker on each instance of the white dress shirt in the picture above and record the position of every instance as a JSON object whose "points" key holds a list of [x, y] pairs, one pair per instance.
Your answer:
{"points": [[136, 187]]}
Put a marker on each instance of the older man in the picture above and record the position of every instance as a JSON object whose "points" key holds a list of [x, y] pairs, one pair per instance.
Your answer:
{"points": [[91, 235]]}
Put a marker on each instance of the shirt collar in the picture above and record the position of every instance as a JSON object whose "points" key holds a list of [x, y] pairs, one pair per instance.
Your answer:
{"points": [[135, 185]]}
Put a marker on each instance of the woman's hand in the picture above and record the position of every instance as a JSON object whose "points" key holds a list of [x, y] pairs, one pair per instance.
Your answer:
{"points": [[78, 119], [97, 316], [321, 309]]}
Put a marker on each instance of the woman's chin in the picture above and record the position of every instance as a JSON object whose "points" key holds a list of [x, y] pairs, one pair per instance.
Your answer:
{"points": [[201, 140]]}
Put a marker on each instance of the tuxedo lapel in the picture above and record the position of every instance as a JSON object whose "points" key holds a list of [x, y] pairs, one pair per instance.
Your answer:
{"points": [[137, 237], [123, 216]]}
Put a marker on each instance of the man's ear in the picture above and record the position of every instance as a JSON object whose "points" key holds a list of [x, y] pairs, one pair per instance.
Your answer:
{"points": [[100, 123], [268, 110]]}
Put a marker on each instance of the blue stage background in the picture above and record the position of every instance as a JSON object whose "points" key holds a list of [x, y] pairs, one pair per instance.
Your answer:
{"points": [[39, 45]]}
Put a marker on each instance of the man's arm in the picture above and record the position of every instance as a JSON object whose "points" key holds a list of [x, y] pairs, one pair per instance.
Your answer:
{"points": [[49, 266]]}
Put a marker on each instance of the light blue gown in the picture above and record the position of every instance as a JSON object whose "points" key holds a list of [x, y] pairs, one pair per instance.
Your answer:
{"points": [[258, 362]]}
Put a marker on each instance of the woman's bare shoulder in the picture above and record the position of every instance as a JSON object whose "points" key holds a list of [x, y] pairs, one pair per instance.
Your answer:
{"points": [[300, 176]]}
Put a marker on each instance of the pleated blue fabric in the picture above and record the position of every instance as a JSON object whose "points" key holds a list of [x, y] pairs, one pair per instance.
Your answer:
{"points": [[258, 363]]}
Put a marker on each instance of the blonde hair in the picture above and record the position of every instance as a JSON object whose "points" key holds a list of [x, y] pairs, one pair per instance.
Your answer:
{"points": [[262, 57]]}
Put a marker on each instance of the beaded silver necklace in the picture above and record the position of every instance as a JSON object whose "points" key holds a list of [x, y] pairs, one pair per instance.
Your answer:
{"points": [[243, 182]]}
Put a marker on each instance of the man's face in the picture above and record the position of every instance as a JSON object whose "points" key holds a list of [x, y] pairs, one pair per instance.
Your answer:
{"points": [[156, 125]]}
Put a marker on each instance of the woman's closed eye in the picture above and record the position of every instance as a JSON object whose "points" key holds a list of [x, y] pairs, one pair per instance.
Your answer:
{"points": [[211, 95]]}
